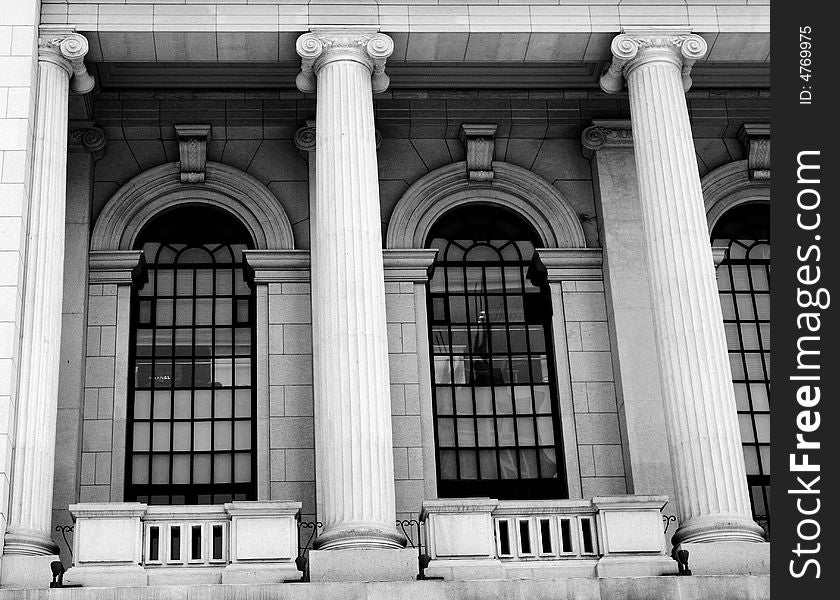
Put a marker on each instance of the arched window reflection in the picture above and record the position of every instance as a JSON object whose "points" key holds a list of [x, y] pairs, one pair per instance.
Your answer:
{"points": [[496, 423], [744, 286], [191, 430]]}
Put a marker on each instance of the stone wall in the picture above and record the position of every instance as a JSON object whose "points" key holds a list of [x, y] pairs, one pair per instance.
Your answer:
{"points": [[593, 389], [291, 410]]}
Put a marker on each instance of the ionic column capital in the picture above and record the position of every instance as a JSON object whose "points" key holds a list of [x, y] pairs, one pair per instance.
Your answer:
{"points": [[633, 49], [86, 137], [320, 47], [64, 47], [607, 134]]}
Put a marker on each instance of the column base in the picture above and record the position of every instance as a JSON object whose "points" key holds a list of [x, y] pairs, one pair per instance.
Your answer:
{"points": [[727, 558], [29, 542], [363, 564], [718, 528], [360, 536], [26, 571]]}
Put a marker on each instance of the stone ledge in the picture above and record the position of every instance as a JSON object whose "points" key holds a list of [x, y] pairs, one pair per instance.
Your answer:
{"points": [[573, 588]]}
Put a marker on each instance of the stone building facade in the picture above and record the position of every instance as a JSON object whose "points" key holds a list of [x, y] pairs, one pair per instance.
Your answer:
{"points": [[484, 282]]}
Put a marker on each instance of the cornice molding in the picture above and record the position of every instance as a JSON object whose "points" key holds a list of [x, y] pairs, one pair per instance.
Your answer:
{"points": [[277, 266], [567, 264], [408, 265], [120, 267], [408, 75]]}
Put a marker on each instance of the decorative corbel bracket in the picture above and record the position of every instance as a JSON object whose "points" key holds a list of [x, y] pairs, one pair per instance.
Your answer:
{"points": [[479, 141], [192, 147], [755, 137]]}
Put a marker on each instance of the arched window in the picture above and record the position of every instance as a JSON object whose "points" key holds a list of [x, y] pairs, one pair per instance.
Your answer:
{"points": [[744, 286], [497, 429], [191, 431]]}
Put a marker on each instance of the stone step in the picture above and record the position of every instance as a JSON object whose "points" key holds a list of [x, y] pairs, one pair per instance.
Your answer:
{"points": [[726, 587]]}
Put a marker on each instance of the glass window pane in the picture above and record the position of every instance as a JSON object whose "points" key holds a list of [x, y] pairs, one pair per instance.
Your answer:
{"points": [[201, 436], [160, 437], [487, 464], [242, 467], [548, 462], [224, 311], [222, 465], [486, 433], [466, 433], [222, 404], [760, 401], [140, 469], [545, 431], [201, 468], [142, 405], [181, 468], [467, 462], [182, 404], [522, 400], [184, 312], [222, 435], [745, 422], [443, 400], [528, 468], [242, 438], [162, 404], [142, 436], [525, 429], [446, 432], [762, 427], [181, 437], [242, 400], [504, 405], [160, 468], [463, 400]]}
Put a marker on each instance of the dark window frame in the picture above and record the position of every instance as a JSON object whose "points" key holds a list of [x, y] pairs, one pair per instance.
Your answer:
{"points": [[230, 238], [536, 317], [744, 230]]}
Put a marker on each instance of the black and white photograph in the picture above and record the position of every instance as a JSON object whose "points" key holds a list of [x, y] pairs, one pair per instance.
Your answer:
{"points": [[416, 299]]}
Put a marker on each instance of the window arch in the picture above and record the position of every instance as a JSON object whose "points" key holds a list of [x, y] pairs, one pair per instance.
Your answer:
{"points": [[497, 428], [744, 287], [191, 398]]}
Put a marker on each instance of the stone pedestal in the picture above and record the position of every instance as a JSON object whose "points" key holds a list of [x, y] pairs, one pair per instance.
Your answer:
{"points": [[353, 440], [363, 564], [700, 413], [28, 540]]}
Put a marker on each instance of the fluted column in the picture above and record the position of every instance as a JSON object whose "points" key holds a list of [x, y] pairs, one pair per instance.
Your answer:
{"points": [[353, 441], [61, 52], [707, 459]]}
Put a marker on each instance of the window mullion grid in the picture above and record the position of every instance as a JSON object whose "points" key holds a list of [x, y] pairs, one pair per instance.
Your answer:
{"points": [[510, 385], [531, 382], [193, 354]]}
